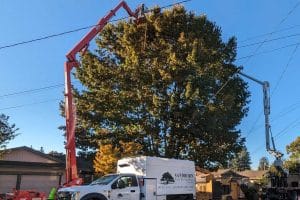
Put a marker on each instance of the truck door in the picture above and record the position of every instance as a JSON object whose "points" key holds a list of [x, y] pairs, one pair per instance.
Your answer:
{"points": [[125, 188], [150, 189]]}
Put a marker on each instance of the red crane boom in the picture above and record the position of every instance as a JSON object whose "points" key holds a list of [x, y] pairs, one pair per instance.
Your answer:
{"points": [[71, 167]]}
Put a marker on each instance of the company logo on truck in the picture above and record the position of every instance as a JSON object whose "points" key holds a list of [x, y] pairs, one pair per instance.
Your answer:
{"points": [[167, 178]]}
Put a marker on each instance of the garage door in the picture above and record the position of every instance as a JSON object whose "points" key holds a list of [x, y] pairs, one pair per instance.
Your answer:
{"points": [[7, 183], [39, 183]]}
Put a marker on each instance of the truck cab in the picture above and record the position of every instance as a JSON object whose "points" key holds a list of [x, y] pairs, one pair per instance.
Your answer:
{"points": [[112, 187]]}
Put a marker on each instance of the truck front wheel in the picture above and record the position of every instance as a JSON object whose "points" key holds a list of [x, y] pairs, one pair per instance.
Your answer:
{"points": [[94, 196]]}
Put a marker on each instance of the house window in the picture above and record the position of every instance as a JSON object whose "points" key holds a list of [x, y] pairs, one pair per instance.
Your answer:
{"points": [[226, 189], [295, 184]]}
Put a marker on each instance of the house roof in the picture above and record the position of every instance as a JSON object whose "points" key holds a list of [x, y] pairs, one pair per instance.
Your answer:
{"points": [[202, 170], [7, 163], [82, 164], [33, 151], [227, 173], [253, 174]]}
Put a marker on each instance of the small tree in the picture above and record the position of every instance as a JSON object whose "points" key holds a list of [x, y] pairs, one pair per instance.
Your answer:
{"points": [[7, 131], [242, 161], [293, 149], [277, 176], [263, 164], [106, 158]]}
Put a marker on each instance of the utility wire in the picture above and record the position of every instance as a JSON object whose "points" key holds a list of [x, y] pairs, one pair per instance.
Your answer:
{"points": [[276, 86], [77, 30], [268, 51], [285, 69], [31, 90], [258, 47], [265, 34], [35, 90], [280, 135], [282, 132], [254, 124], [270, 40], [91, 26], [60, 85], [29, 104], [285, 129], [284, 112], [87, 27], [45, 37]]}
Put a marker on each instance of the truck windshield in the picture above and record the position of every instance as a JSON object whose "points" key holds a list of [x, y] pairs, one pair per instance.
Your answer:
{"points": [[104, 180]]}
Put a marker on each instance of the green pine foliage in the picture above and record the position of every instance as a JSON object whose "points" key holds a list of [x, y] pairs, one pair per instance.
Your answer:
{"points": [[242, 161], [293, 162], [263, 164], [7, 131], [154, 83]]}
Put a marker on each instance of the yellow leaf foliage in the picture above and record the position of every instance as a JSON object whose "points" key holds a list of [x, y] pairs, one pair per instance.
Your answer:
{"points": [[106, 158]]}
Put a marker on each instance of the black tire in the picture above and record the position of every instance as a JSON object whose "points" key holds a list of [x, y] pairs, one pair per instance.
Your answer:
{"points": [[94, 196]]}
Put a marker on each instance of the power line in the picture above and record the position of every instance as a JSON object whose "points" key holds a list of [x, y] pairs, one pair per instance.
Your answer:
{"points": [[285, 129], [45, 37], [35, 90], [29, 104], [265, 34], [260, 45], [60, 85], [31, 90], [254, 124], [288, 110], [285, 69], [170, 5], [83, 28], [282, 132], [280, 135], [276, 85], [284, 112], [76, 30], [268, 51], [278, 25], [270, 40]]}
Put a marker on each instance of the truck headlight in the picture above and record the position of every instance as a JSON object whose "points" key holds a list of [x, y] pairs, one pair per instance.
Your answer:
{"points": [[75, 195]]}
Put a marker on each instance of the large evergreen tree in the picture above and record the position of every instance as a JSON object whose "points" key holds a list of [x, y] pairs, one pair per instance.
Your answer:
{"points": [[155, 83], [7, 131]]}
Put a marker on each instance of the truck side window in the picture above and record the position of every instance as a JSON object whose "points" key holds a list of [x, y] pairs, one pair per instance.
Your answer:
{"points": [[130, 181]]}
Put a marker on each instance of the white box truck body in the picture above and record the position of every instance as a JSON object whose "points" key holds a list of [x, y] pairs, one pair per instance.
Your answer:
{"points": [[140, 178]]}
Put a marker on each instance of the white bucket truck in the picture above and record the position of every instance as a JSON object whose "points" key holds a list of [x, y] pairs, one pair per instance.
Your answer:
{"points": [[140, 178]]}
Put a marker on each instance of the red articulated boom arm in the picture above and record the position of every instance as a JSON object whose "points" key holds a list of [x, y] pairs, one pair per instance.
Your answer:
{"points": [[71, 167]]}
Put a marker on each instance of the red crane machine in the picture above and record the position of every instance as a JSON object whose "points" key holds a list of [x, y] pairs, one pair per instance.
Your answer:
{"points": [[72, 177]]}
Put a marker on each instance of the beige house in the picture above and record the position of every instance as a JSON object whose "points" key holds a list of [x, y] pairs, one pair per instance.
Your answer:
{"points": [[25, 168], [221, 184], [204, 184], [253, 175]]}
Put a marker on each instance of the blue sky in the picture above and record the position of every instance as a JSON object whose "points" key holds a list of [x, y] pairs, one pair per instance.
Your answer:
{"points": [[40, 64]]}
